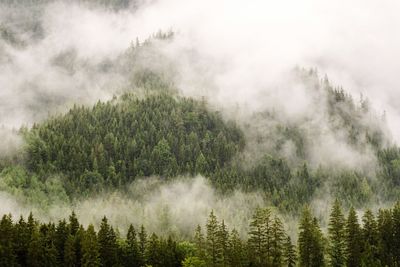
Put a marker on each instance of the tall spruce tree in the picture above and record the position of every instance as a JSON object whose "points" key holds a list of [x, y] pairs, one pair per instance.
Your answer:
{"points": [[200, 243], [278, 236], [107, 244], [132, 248], [396, 233], [90, 248], [213, 247], [260, 237], [289, 253], [353, 240], [336, 232], [370, 239], [310, 242]]}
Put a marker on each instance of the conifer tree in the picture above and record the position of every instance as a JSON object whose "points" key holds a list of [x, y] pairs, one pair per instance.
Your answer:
{"points": [[133, 258], [223, 238], [7, 242], [260, 237], [353, 240], [370, 239], [22, 240], [311, 250], [278, 235], [107, 244], [396, 233], [142, 245], [200, 243], [236, 250], [385, 237], [213, 248], [289, 253], [35, 250], [69, 254], [336, 232], [90, 248], [153, 251]]}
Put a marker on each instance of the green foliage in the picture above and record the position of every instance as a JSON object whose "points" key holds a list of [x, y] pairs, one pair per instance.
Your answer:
{"points": [[336, 231], [310, 242], [115, 142]]}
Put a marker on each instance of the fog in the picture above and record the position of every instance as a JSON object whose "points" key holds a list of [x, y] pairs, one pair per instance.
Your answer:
{"points": [[173, 208], [239, 55]]}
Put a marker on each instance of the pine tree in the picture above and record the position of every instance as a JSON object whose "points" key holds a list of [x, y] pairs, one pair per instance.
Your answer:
{"points": [[353, 240], [370, 239], [90, 249], [73, 223], [61, 236], [7, 242], [336, 232], [385, 237], [133, 258], [260, 237], [396, 233], [200, 243], [107, 244], [35, 250], [153, 251], [236, 249], [69, 252], [223, 237], [142, 245], [289, 253], [22, 240], [311, 250], [278, 235], [213, 248]]}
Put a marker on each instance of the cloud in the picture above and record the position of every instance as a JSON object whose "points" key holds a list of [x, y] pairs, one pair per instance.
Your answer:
{"points": [[172, 207]]}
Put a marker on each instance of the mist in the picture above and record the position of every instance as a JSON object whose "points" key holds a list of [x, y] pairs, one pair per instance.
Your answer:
{"points": [[239, 55], [165, 207]]}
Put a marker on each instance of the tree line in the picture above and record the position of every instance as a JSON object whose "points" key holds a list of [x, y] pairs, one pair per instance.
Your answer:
{"points": [[373, 241]]}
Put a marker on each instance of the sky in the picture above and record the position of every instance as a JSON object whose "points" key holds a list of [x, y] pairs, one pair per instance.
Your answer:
{"points": [[239, 52]]}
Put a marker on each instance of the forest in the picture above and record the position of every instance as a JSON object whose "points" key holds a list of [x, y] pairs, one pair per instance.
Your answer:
{"points": [[374, 242], [198, 134]]}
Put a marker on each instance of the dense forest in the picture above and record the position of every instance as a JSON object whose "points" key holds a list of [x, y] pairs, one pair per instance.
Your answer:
{"points": [[103, 114], [375, 242]]}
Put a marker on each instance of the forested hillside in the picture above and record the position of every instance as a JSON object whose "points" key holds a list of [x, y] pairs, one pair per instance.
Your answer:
{"points": [[125, 123]]}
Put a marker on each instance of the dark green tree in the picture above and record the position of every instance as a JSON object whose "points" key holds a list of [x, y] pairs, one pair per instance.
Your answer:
{"points": [[353, 240], [336, 232]]}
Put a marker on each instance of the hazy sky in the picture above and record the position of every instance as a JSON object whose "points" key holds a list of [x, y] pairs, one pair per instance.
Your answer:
{"points": [[239, 48]]}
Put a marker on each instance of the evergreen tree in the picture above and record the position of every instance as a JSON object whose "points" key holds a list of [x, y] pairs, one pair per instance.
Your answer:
{"points": [[278, 236], [213, 247], [90, 249], [236, 250], [142, 245], [396, 233], [370, 239], [200, 243], [35, 250], [336, 232], [223, 238], [260, 237], [353, 240], [7, 242], [311, 250], [69, 252], [153, 251], [133, 258], [107, 244], [385, 237], [289, 253]]}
